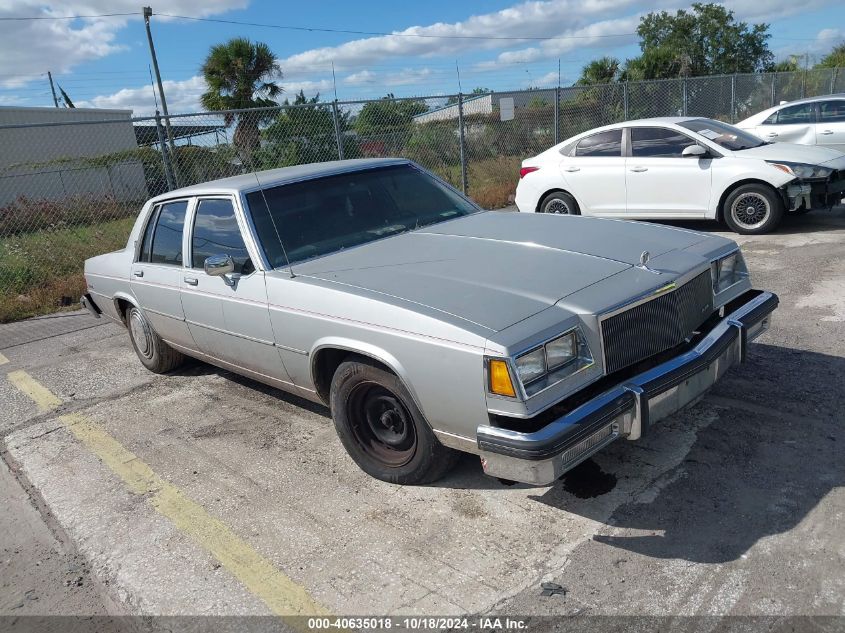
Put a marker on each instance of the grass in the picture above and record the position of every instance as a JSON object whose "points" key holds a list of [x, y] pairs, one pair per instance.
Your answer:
{"points": [[492, 182], [41, 272]]}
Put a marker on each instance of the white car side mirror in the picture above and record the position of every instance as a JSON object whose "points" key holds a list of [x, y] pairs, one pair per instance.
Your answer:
{"points": [[694, 151]]}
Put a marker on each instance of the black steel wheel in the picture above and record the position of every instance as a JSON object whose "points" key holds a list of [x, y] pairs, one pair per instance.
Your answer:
{"points": [[381, 427]]}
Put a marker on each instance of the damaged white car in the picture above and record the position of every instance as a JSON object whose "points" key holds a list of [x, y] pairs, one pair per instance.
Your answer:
{"points": [[677, 168]]}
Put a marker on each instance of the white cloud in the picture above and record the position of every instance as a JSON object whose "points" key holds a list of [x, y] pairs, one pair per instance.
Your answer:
{"points": [[28, 49], [538, 19], [404, 77]]}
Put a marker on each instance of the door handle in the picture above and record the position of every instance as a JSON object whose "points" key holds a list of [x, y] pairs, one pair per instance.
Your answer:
{"points": [[573, 168], [639, 169], [772, 134], [827, 131], [192, 281], [138, 273]]}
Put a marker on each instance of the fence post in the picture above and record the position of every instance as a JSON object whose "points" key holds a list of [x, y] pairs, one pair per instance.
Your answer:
{"points": [[804, 84], [337, 134], [833, 80], [625, 99], [464, 184], [684, 96], [557, 115], [165, 158], [774, 86], [733, 98]]}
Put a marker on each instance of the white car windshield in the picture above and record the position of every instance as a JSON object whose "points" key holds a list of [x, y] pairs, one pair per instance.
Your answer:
{"points": [[728, 136]]}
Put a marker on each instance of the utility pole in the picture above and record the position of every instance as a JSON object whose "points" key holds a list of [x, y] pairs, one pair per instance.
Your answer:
{"points": [[148, 12], [53, 88]]}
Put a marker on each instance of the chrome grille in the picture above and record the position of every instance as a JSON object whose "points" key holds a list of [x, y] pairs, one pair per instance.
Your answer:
{"points": [[656, 325]]}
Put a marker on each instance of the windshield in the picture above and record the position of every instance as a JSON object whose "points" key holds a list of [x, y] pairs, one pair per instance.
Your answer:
{"points": [[324, 215], [727, 136]]}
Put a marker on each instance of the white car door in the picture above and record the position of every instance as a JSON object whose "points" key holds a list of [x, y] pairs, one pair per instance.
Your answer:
{"points": [[830, 130], [790, 124], [662, 183], [595, 173]]}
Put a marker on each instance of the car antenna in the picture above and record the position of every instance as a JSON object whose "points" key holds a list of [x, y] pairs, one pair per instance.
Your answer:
{"points": [[272, 219]]}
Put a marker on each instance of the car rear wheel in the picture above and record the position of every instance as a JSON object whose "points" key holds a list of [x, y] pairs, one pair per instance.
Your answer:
{"points": [[153, 352], [559, 202], [382, 429], [753, 209]]}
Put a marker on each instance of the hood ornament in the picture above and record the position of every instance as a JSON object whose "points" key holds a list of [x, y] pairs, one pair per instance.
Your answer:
{"points": [[644, 257]]}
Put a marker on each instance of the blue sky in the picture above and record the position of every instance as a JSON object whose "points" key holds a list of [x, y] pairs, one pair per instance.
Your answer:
{"points": [[103, 62]]}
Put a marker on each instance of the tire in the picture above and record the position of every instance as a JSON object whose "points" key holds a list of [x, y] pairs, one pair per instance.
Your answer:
{"points": [[753, 209], [153, 352], [382, 429], [559, 202]]}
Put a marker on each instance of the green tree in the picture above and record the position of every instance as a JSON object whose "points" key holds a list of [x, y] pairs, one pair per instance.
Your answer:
{"points": [[704, 41], [834, 59], [475, 91], [384, 126], [241, 74], [304, 133], [599, 71], [789, 65]]}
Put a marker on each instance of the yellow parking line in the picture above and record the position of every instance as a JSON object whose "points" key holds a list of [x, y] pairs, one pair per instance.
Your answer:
{"points": [[3, 360], [37, 392], [281, 594]]}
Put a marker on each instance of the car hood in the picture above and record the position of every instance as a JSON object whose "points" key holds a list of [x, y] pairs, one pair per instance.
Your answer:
{"points": [[791, 152], [495, 269]]}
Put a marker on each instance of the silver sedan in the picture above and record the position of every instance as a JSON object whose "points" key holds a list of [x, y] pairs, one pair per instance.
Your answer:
{"points": [[430, 326]]}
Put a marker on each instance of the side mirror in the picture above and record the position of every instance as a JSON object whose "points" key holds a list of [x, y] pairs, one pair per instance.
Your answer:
{"points": [[219, 265], [694, 151]]}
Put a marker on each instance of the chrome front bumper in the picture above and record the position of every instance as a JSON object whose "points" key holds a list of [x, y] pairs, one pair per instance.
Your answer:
{"points": [[629, 408]]}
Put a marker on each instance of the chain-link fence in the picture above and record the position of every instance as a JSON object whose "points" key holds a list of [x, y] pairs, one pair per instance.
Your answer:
{"points": [[71, 189]]}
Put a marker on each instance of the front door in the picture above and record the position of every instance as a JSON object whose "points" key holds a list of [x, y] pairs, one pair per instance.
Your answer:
{"points": [[228, 316], [595, 174], [157, 272], [830, 130], [660, 181]]}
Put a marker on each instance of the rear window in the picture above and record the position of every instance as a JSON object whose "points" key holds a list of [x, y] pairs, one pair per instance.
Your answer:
{"points": [[162, 243], [325, 215], [602, 144]]}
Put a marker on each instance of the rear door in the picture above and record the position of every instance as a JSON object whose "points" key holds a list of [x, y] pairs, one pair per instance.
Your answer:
{"points": [[157, 272], [790, 124], [830, 130], [660, 181], [595, 173]]}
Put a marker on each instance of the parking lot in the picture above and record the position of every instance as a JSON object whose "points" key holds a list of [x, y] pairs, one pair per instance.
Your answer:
{"points": [[201, 492]]}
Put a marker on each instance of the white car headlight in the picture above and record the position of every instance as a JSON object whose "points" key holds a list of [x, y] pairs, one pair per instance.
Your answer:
{"points": [[553, 361], [803, 170], [728, 271]]}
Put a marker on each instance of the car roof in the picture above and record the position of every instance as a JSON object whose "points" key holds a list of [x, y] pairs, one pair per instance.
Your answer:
{"points": [[659, 120], [273, 177]]}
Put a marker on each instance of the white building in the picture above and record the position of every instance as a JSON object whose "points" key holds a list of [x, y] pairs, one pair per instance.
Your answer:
{"points": [[42, 160]]}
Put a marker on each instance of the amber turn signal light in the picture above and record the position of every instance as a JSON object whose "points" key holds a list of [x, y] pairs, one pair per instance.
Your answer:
{"points": [[500, 379]]}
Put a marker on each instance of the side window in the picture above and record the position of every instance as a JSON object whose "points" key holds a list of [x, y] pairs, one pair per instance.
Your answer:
{"points": [[832, 111], [146, 242], [803, 113], [658, 142], [167, 238], [216, 232], [602, 144]]}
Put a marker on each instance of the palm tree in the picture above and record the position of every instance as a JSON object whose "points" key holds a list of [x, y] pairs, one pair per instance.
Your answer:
{"points": [[240, 74], [599, 71]]}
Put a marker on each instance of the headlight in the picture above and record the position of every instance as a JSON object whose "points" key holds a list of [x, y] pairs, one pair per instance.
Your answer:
{"points": [[552, 362], [728, 271], [802, 170]]}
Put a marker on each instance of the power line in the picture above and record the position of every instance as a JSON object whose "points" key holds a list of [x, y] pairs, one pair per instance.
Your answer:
{"points": [[66, 17]]}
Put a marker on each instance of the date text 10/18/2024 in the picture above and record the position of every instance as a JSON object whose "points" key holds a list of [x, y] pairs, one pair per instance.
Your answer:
{"points": [[418, 623]]}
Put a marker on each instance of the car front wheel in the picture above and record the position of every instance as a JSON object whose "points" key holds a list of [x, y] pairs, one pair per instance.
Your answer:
{"points": [[382, 429], [753, 209], [153, 352]]}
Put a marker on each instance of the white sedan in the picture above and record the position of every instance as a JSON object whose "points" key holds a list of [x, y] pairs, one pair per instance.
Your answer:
{"points": [[681, 168], [816, 121]]}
